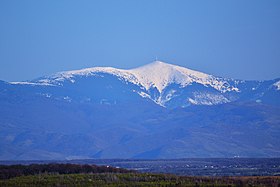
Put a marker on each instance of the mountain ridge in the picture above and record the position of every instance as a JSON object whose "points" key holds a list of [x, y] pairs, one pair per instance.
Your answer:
{"points": [[156, 71], [162, 82], [91, 113]]}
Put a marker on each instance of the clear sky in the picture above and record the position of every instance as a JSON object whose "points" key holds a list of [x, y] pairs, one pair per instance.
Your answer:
{"points": [[230, 38]]}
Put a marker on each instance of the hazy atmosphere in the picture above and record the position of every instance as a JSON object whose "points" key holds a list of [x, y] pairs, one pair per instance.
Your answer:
{"points": [[237, 39], [140, 93]]}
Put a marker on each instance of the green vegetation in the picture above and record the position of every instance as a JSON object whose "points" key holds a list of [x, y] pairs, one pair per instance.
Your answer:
{"points": [[135, 179], [10, 171], [91, 175]]}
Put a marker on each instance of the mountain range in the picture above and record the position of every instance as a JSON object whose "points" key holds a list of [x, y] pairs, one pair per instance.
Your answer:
{"points": [[158, 110]]}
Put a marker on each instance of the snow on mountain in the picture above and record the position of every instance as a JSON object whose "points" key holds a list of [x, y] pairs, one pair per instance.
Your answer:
{"points": [[60, 77], [165, 84], [277, 85], [154, 75], [31, 83], [207, 99], [159, 75]]}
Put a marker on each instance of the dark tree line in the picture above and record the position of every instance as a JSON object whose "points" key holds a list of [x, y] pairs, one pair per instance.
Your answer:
{"points": [[9, 171]]}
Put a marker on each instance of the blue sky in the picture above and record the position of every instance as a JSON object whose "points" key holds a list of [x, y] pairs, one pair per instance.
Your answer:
{"points": [[230, 38]]}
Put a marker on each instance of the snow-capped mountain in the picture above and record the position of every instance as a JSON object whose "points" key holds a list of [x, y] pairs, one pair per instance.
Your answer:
{"points": [[277, 85], [159, 75], [165, 84], [155, 111], [155, 75]]}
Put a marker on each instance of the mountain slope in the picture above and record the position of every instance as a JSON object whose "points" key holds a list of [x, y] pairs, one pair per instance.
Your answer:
{"points": [[167, 85], [53, 129], [154, 111], [155, 75], [160, 75]]}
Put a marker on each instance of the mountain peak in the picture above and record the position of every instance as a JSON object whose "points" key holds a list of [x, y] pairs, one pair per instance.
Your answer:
{"points": [[157, 64], [159, 74], [156, 75]]}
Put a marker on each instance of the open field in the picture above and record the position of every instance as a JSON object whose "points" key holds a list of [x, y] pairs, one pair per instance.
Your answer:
{"points": [[92, 175], [135, 179]]}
